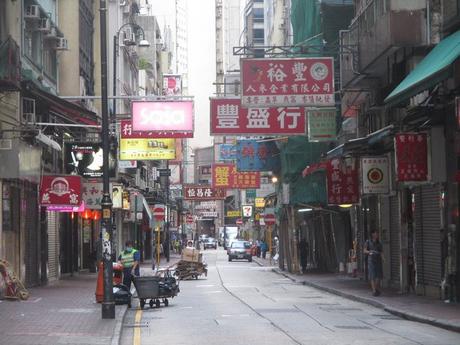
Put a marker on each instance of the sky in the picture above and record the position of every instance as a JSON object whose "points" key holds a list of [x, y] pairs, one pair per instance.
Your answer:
{"points": [[202, 66], [201, 58]]}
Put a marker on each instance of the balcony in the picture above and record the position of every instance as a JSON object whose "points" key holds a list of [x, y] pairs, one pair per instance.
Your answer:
{"points": [[10, 66], [379, 30]]}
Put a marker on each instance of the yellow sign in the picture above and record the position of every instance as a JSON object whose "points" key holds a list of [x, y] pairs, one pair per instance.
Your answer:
{"points": [[260, 202], [236, 213], [147, 149]]}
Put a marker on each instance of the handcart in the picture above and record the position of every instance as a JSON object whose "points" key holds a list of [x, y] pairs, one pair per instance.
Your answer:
{"points": [[157, 289], [190, 270]]}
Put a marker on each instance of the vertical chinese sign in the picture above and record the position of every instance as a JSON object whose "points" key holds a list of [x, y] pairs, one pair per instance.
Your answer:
{"points": [[322, 125], [255, 156], [226, 176], [342, 181], [411, 151], [375, 175], [228, 117], [287, 82]]}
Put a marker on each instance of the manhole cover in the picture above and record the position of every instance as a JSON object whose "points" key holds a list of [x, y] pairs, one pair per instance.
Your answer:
{"points": [[277, 310], [352, 327]]}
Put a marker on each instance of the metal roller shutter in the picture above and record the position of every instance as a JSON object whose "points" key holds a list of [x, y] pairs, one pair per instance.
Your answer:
{"points": [[30, 216], [53, 247], [395, 240], [427, 245]]}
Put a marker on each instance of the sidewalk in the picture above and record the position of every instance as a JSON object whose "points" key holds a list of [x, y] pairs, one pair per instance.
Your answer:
{"points": [[417, 308], [64, 312]]}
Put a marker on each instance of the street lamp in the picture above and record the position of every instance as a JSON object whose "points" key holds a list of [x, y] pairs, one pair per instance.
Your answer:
{"points": [[116, 39], [108, 304]]}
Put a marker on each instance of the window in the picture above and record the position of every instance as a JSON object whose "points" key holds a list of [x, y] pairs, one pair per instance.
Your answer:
{"points": [[258, 35], [258, 15], [86, 45], [33, 45]]}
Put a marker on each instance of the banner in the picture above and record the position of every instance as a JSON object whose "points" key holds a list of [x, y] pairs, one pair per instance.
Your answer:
{"points": [[228, 117], [92, 193], [147, 149], [411, 151], [86, 159], [192, 192], [172, 85], [127, 164], [162, 116], [60, 190], [322, 125], [226, 176], [342, 181], [255, 156], [375, 175], [127, 132], [226, 152], [287, 82], [234, 214]]}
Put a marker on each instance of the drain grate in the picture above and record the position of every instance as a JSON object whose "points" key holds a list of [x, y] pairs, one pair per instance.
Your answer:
{"points": [[277, 310], [353, 327]]}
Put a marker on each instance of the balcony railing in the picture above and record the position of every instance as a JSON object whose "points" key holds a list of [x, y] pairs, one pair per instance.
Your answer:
{"points": [[10, 65]]}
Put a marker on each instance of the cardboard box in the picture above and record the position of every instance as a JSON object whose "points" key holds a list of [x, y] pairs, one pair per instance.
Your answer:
{"points": [[191, 254]]}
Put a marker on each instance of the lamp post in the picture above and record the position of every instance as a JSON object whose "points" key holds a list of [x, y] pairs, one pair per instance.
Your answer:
{"points": [[108, 304], [116, 40]]}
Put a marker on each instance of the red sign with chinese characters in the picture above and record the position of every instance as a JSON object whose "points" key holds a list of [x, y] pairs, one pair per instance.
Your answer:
{"points": [[226, 176], [230, 118], [60, 190], [411, 157], [127, 132], [287, 82], [342, 181], [192, 192]]}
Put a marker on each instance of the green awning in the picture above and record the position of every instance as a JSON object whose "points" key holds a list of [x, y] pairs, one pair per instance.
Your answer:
{"points": [[434, 68]]}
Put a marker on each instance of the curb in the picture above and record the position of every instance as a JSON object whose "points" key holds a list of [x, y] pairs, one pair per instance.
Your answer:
{"points": [[119, 323], [395, 311]]}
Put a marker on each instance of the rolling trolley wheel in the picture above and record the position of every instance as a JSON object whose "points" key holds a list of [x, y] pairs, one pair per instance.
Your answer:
{"points": [[166, 302], [157, 303], [151, 303]]}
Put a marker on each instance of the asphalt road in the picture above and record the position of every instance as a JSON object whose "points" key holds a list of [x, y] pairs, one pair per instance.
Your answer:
{"points": [[242, 303]]}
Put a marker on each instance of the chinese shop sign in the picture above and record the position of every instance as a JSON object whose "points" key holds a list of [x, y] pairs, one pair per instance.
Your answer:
{"points": [[203, 193], [226, 176], [147, 149], [233, 213], [228, 117], [60, 190], [342, 181], [92, 193], [127, 132], [287, 82], [162, 116], [257, 156], [322, 125], [375, 175], [411, 157]]}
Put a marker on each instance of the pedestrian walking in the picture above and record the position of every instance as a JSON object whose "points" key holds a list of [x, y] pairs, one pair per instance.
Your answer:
{"points": [[303, 251], [129, 259], [374, 251], [263, 248]]}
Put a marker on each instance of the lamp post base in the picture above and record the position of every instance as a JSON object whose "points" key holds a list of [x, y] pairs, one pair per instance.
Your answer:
{"points": [[108, 310]]}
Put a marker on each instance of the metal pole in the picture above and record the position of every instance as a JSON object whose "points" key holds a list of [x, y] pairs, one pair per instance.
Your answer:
{"points": [[114, 91], [136, 236], [167, 240], [108, 305]]}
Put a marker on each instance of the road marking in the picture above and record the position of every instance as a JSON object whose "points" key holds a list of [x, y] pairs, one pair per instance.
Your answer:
{"points": [[217, 291], [209, 285], [137, 330]]}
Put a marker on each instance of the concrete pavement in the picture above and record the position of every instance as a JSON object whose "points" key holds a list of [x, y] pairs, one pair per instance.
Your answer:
{"points": [[417, 308], [63, 312]]}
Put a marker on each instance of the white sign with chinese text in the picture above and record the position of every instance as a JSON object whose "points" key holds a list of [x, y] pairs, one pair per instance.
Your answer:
{"points": [[375, 175]]}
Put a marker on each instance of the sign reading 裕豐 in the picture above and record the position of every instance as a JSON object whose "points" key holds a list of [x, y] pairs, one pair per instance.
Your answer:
{"points": [[287, 82]]}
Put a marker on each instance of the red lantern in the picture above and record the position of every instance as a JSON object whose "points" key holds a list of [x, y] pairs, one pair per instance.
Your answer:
{"points": [[96, 215], [87, 214]]}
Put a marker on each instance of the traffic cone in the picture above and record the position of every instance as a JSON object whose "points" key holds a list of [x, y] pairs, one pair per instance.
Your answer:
{"points": [[100, 283]]}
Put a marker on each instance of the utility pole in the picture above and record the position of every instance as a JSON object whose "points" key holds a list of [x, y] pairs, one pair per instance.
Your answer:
{"points": [[108, 304]]}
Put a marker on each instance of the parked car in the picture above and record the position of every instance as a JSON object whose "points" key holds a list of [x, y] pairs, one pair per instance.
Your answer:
{"points": [[239, 250], [210, 243]]}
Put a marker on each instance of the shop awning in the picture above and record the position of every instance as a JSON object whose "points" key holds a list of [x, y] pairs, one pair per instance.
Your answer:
{"points": [[146, 207], [434, 68]]}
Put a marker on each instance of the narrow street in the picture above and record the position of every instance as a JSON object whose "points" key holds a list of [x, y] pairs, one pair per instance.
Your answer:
{"points": [[243, 303]]}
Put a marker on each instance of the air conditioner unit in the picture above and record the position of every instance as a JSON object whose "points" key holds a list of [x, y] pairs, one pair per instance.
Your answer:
{"points": [[52, 33], [44, 25], [62, 44], [32, 12], [6, 144], [28, 111]]}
